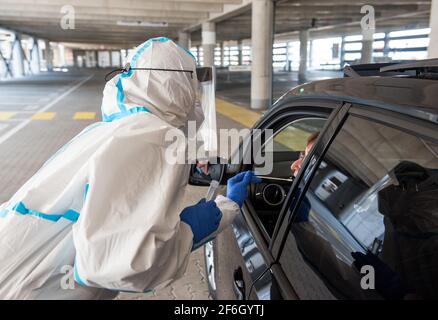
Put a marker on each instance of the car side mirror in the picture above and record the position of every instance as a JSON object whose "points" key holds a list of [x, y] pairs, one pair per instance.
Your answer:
{"points": [[215, 171], [218, 170]]}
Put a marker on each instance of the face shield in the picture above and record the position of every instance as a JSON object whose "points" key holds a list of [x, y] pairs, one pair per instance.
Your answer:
{"points": [[207, 100], [203, 114]]}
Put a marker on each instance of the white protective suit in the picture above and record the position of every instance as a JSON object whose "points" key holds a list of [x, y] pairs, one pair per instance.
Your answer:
{"points": [[106, 206]]}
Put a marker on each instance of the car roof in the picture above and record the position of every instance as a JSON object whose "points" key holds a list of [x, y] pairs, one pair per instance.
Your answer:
{"points": [[412, 96]]}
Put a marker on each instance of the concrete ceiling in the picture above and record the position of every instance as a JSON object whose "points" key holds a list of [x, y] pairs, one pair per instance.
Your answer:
{"points": [[97, 21], [325, 17]]}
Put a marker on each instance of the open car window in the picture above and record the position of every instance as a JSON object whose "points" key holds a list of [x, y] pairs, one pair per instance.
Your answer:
{"points": [[288, 144]]}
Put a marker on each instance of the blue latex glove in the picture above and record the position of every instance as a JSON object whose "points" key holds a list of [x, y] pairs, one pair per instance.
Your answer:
{"points": [[203, 218], [237, 186]]}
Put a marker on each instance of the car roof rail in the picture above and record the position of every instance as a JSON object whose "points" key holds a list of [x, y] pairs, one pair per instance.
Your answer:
{"points": [[421, 67], [369, 69]]}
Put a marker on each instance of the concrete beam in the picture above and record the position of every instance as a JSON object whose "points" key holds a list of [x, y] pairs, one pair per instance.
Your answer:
{"points": [[332, 3], [415, 19], [228, 12], [102, 21], [54, 11]]}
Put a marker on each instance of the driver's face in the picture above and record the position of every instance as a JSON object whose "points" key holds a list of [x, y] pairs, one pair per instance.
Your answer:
{"points": [[296, 165]]}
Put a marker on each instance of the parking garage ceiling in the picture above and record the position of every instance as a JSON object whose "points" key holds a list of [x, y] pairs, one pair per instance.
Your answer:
{"points": [[129, 22], [107, 21]]}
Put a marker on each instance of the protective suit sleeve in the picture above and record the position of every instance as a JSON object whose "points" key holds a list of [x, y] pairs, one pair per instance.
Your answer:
{"points": [[229, 210], [129, 236]]}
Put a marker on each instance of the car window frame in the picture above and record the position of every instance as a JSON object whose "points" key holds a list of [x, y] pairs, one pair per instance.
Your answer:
{"points": [[334, 122], [280, 118], [400, 121], [265, 245], [284, 123]]}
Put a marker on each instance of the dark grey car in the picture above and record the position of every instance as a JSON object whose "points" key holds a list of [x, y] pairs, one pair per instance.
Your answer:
{"points": [[360, 219]]}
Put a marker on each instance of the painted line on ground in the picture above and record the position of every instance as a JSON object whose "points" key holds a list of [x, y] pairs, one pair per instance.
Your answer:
{"points": [[23, 124], [14, 103], [6, 115], [238, 114], [43, 116], [30, 108], [84, 115]]}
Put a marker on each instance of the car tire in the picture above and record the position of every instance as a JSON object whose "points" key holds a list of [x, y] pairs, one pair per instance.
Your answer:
{"points": [[211, 267]]}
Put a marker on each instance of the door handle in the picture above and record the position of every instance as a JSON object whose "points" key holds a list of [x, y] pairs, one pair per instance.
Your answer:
{"points": [[239, 284]]}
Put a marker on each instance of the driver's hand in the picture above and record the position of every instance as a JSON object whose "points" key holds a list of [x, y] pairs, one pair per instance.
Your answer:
{"points": [[295, 167], [237, 186], [203, 167]]}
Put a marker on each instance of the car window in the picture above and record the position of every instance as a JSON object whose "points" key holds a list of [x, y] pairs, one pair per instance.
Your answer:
{"points": [[288, 142], [367, 226]]}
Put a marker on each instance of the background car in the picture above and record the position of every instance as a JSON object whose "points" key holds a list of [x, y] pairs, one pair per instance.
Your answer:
{"points": [[360, 219]]}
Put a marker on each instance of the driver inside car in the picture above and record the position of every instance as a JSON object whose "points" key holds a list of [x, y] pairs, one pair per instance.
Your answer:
{"points": [[296, 165]]}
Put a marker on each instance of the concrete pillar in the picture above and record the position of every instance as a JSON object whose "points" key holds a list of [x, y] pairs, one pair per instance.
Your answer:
{"points": [[433, 37], [48, 56], [287, 66], [61, 51], [89, 59], [222, 53], [302, 71], [262, 24], [208, 42], [96, 59], [75, 59], [240, 49], [198, 56], [184, 40], [367, 51], [386, 48], [310, 55], [17, 57], [35, 63], [342, 55]]}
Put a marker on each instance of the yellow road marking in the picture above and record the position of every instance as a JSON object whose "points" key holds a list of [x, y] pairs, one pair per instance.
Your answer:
{"points": [[43, 116], [293, 138], [241, 115], [6, 115], [84, 115]]}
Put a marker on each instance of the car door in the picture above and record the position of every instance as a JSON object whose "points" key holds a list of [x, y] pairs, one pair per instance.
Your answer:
{"points": [[363, 223], [243, 252]]}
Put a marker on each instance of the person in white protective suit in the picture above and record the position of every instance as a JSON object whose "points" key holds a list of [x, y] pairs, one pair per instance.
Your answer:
{"points": [[105, 210]]}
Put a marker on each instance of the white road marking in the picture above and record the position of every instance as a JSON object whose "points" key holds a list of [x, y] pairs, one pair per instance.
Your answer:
{"points": [[16, 103], [15, 120], [17, 128], [27, 96], [16, 112], [3, 126]]}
